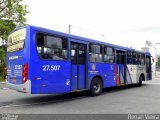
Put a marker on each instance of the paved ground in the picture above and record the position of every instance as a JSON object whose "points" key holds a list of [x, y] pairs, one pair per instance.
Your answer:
{"points": [[145, 99], [3, 85]]}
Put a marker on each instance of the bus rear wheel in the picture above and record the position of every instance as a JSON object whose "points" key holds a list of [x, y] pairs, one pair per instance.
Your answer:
{"points": [[140, 82], [96, 87]]}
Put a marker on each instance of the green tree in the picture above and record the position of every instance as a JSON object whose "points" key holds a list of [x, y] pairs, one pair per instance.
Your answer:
{"points": [[12, 14], [2, 63]]}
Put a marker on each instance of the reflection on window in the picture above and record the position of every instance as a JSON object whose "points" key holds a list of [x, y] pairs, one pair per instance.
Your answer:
{"points": [[73, 52], [39, 49], [96, 57], [96, 53], [109, 59], [73, 56]]}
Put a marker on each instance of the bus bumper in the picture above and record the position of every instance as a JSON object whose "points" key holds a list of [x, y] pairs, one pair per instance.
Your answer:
{"points": [[25, 88]]}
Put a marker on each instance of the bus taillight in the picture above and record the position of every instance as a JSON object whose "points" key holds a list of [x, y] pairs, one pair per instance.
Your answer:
{"points": [[25, 73]]}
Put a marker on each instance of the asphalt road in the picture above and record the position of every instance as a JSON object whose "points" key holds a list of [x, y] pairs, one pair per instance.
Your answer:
{"points": [[119, 100]]}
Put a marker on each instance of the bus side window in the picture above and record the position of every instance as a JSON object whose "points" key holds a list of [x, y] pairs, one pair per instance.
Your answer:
{"points": [[95, 53], [51, 47], [108, 55]]}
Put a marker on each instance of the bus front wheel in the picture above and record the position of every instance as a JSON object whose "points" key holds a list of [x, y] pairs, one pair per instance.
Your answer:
{"points": [[96, 87]]}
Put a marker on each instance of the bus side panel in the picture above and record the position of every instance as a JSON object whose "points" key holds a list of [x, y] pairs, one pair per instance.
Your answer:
{"points": [[109, 74], [81, 76], [46, 81], [132, 69], [35, 77], [128, 76], [106, 71], [56, 81]]}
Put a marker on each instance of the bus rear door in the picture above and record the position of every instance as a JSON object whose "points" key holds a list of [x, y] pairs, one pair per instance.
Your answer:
{"points": [[121, 67]]}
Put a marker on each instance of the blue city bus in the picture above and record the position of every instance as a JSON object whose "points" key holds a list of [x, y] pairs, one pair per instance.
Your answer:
{"points": [[43, 61]]}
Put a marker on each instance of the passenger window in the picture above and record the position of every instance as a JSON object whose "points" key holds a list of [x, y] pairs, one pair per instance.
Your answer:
{"points": [[109, 55], [135, 58], [51, 47], [95, 53]]}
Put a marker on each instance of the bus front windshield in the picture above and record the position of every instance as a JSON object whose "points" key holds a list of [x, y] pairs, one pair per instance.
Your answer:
{"points": [[16, 40]]}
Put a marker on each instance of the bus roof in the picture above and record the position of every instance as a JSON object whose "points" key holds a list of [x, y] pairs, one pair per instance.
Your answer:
{"points": [[79, 38]]}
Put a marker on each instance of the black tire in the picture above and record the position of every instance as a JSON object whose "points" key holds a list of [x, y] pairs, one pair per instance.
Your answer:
{"points": [[96, 87], [140, 82]]}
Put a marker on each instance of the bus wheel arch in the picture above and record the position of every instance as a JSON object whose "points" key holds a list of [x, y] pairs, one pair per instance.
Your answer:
{"points": [[96, 85]]}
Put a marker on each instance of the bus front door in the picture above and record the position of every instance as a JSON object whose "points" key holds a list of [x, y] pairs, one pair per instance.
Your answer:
{"points": [[121, 67], [78, 66]]}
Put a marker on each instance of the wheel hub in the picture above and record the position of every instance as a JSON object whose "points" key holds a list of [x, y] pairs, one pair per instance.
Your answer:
{"points": [[96, 87]]}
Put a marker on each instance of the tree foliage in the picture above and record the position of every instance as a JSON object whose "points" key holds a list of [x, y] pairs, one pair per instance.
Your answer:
{"points": [[12, 13], [2, 63]]}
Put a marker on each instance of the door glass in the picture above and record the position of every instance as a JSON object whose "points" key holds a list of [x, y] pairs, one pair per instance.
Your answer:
{"points": [[81, 56], [73, 56]]}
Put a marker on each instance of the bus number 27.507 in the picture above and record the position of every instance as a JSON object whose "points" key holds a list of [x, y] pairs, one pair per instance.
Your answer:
{"points": [[51, 67]]}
